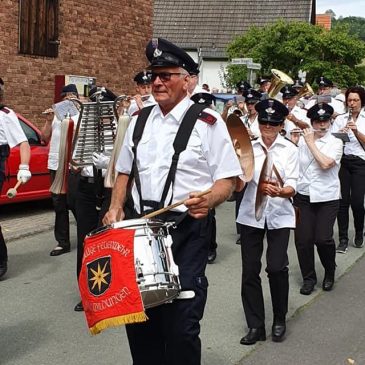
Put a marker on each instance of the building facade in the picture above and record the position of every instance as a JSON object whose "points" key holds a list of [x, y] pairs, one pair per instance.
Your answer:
{"points": [[42, 39]]}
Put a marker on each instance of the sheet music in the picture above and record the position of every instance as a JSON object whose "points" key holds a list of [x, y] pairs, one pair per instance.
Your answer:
{"points": [[64, 107]]}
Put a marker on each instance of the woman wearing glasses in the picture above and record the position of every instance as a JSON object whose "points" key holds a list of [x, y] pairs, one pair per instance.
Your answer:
{"points": [[266, 209], [352, 171]]}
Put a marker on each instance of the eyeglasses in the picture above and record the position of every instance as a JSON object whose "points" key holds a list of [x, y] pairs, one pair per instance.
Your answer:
{"points": [[271, 124], [164, 76]]}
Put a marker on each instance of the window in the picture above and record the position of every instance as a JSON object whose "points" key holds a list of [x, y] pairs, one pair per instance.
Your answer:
{"points": [[30, 133], [38, 27]]}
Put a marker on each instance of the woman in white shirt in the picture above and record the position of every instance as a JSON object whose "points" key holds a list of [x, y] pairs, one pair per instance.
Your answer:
{"points": [[352, 172], [318, 194], [274, 216]]}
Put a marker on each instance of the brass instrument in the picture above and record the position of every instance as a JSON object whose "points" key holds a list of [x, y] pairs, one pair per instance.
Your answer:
{"points": [[305, 91], [279, 80]]}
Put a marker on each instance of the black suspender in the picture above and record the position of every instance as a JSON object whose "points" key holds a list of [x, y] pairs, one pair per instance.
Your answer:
{"points": [[180, 143]]}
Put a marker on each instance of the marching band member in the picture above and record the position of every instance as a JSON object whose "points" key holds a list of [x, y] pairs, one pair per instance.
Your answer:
{"points": [[276, 162], [11, 135], [143, 96], [171, 335], [324, 95], [297, 116], [352, 171], [252, 97], [51, 132], [317, 198], [204, 97], [90, 193]]}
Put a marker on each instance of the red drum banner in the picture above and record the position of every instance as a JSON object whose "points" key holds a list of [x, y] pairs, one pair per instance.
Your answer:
{"points": [[107, 282]]}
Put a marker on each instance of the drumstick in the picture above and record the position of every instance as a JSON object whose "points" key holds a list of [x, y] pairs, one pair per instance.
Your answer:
{"points": [[12, 191], [180, 202]]}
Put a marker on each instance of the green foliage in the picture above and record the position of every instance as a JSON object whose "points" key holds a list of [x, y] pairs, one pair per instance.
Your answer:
{"points": [[356, 25], [294, 46]]}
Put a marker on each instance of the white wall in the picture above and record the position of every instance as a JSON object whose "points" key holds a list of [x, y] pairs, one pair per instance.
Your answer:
{"points": [[210, 72]]}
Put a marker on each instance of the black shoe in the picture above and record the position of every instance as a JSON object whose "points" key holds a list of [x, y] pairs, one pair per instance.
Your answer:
{"points": [[212, 255], [59, 250], [343, 245], [238, 242], [278, 331], [359, 240], [79, 307], [253, 335], [328, 282], [3, 268], [307, 288]]}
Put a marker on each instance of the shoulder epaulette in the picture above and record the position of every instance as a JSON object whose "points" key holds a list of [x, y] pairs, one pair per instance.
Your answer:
{"points": [[207, 118]]}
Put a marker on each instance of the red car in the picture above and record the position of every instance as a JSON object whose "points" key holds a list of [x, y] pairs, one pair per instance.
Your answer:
{"points": [[38, 186]]}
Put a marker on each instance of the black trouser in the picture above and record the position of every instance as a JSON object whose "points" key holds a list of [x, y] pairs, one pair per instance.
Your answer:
{"points": [[277, 271], [352, 177], [62, 203], [3, 249], [213, 242], [88, 218], [171, 335], [315, 227], [239, 197]]}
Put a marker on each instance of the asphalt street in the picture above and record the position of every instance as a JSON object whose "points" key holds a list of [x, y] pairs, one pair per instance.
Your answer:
{"points": [[38, 324]]}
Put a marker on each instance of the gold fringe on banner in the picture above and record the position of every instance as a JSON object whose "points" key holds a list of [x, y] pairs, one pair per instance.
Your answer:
{"points": [[118, 321], [110, 175]]}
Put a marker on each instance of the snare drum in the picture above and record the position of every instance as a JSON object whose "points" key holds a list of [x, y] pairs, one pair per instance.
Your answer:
{"points": [[157, 274]]}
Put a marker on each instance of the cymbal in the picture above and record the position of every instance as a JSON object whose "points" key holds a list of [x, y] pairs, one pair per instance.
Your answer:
{"points": [[242, 145], [261, 199]]}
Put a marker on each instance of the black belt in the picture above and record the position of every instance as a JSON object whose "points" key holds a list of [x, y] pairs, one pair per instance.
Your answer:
{"points": [[87, 179]]}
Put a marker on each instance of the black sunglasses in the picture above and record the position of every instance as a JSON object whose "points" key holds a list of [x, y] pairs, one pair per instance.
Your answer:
{"points": [[271, 124], [164, 76]]}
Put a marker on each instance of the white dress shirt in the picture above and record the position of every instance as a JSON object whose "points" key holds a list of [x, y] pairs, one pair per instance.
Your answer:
{"points": [[319, 184], [209, 155], [353, 147], [11, 132], [134, 107], [298, 113], [54, 145], [279, 212], [253, 126]]}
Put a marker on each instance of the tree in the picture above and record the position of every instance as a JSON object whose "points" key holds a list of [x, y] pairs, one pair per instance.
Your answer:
{"points": [[294, 46], [356, 25]]}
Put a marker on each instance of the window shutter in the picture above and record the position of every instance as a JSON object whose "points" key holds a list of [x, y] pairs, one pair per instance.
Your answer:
{"points": [[38, 28]]}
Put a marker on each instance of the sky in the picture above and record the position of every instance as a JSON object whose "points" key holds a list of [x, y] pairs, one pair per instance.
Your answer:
{"points": [[342, 8]]}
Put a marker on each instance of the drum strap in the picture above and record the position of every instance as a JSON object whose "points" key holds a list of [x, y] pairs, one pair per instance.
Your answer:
{"points": [[180, 143]]}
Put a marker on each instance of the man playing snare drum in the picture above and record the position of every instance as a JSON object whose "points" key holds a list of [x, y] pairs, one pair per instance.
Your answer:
{"points": [[207, 161]]}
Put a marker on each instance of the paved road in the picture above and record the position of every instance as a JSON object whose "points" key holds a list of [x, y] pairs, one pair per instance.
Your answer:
{"points": [[38, 324]]}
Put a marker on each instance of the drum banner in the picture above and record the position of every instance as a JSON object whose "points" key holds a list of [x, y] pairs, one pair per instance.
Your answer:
{"points": [[107, 282]]}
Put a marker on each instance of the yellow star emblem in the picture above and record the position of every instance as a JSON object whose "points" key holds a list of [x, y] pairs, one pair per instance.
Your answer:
{"points": [[99, 277]]}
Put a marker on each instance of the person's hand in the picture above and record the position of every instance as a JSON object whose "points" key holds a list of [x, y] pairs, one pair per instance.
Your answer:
{"points": [[308, 135], [48, 111], [351, 125], [229, 104], [271, 189], [113, 215], [138, 100], [100, 161], [24, 174], [197, 207]]}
